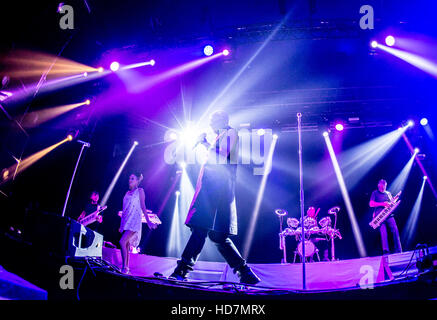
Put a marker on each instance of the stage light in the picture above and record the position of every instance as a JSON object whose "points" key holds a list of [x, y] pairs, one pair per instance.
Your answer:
{"points": [[339, 127], [173, 136], [87, 101], [36, 118], [189, 134], [117, 175], [374, 44], [424, 121], [275, 136], [425, 177], [344, 191], [411, 225], [416, 150], [419, 163], [179, 233], [399, 183], [357, 161], [423, 63], [85, 74], [22, 165], [152, 62], [260, 132], [325, 133], [100, 69], [410, 123], [114, 66], [254, 216], [226, 52], [208, 50], [390, 41]]}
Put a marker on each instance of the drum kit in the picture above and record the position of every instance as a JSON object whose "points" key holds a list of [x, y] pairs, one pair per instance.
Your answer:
{"points": [[313, 232]]}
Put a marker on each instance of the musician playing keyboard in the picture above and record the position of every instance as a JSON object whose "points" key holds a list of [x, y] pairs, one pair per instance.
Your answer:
{"points": [[91, 207], [379, 200]]}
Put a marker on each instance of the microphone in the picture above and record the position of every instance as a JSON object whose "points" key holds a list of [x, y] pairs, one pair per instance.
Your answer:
{"points": [[199, 141], [86, 144]]}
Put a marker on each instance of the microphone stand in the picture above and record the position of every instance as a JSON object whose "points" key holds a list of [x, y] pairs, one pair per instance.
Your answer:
{"points": [[299, 127], [84, 144]]}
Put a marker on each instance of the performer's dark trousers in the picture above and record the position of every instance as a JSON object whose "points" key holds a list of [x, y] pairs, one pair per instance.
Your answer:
{"points": [[391, 224], [224, 244]]}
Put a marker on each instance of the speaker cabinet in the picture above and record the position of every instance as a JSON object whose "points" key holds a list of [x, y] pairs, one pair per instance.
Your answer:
{"points": [[84, 242], [62, 236]]}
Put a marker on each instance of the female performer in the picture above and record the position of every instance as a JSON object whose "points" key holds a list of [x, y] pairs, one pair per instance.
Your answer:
{"points": [[130, 227]]}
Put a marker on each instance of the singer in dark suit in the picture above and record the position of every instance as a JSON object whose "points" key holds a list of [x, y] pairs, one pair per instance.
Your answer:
{"points": [[213, 210]]}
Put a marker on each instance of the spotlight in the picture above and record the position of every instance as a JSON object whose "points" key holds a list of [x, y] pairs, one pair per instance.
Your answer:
{"points": [[425, 177], [183, 165], [260, 132], [87, 101], [374, 44], [410, 123], [173, 136], [177, 193], [325, 133], [424, 121], [85, 74], [275, 136], [114, 66], [390, 41], [339, 127], [189, 134], [152, 62], [136, 143], [416, 150], [69, 137], [100, 69], [208, 50], [226, 52]]}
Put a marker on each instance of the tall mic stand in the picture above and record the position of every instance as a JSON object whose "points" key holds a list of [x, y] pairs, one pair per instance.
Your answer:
{"points": [[299, 130], [84, 144]]}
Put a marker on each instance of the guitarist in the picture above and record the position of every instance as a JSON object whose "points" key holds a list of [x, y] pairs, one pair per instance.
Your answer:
{"points": [[91, 207], [379, 200]]}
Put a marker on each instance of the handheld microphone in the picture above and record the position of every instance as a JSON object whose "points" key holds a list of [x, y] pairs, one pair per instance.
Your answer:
{"points": [[199, 141], [86, 144]]}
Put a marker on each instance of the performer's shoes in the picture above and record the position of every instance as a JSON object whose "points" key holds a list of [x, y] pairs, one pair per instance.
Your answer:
{"points": [[247, 276], [179, 277], [181, 271]]}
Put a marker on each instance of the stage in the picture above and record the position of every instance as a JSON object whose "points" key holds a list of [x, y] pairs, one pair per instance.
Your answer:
{"points": [[100, 279], [320, 276]]}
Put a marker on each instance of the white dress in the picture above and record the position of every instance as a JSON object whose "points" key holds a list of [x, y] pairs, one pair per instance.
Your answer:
{"points": [[132, 215]]}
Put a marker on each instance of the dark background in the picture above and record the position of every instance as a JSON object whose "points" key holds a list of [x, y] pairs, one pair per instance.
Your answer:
{"points": [[319, 63]]}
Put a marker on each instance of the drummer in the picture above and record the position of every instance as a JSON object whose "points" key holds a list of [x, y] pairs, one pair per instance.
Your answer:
{"points": [[311, 222], [311, 217]]}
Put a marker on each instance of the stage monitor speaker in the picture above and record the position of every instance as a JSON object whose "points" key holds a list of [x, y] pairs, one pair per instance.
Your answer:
{"points": [[62, 236], [84, 242]]}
